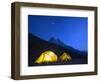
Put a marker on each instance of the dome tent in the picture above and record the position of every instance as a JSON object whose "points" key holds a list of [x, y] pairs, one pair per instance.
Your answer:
{"points": [[47, 56], [65, 57]]}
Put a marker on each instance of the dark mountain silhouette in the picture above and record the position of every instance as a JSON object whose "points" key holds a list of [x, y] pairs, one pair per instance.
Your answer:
{"points": [[60, 43], [36, 46], [56, 41]]}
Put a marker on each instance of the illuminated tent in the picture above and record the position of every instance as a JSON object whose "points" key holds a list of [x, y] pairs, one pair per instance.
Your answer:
{"points": [[65, 57], [47, 56]]}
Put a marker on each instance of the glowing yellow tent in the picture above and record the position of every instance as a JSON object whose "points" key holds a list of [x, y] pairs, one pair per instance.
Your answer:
{"points": [[65, 57], [47, 56]]}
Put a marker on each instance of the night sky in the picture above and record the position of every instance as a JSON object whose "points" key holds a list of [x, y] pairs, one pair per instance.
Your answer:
{"points": [[72, 31]]}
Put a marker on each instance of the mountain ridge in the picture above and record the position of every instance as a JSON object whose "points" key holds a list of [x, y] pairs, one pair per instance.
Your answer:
{"points": [[36, 46]]}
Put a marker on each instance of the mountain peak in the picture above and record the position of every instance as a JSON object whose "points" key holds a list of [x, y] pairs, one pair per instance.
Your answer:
{"points": [[56, 41], [59, 42]]}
